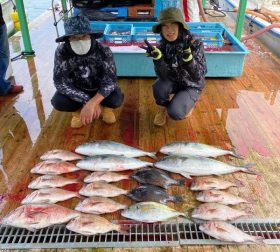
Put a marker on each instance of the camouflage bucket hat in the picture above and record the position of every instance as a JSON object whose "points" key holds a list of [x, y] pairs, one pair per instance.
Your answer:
{"points": [[170, 15], [77, 25]]}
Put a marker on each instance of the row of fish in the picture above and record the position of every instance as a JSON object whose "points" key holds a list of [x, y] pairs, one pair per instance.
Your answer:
{"points": [[105, 147], [34, 217], [186, 166], [100, 189]]}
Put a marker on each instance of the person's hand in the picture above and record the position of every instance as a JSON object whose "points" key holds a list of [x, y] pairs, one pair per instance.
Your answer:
{"points": [[90, 111], [151, 51], [187, 52]]}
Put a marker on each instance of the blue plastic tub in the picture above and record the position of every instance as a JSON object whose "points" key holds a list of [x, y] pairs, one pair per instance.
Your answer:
{"points": [[118, 34], [221, 62], [210, 39], [119, 11], [141, 33]]}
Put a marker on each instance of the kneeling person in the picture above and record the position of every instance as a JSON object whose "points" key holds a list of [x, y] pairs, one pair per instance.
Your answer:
{"points": [[180, 66], [85, 75]]}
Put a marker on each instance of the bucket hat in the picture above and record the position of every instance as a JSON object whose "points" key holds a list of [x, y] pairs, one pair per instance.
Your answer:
{"points": [[77, 25], [170, 15]]}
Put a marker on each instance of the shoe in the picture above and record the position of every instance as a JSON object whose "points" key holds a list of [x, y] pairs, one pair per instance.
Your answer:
{"points": [[160, 117], [189, 114], [15, 89], [76, 121], [108, 115]]}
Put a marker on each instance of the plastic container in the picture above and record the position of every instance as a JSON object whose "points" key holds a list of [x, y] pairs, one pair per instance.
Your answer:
{"points": [[118, 11], [140, 11], [141, 33], [210, 39], [118, 34]]}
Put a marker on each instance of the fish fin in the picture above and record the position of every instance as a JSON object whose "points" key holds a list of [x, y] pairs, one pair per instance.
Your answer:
{"points": [[248, 211], [221, 229], [188, 214], [32, 229], [123, 229], [259, 240], [246, 168], [238, 183], [180, 182], [214, 194], [152, 155], [176, 198], [187, 175], [211, 210], [249, 200]]}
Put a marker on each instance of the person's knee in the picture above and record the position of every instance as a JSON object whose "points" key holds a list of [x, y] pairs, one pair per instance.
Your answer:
{"points": [[176, 113], [117, 101]]}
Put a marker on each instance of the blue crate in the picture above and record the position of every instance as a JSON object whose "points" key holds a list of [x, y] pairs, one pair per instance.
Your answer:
{"points": [[141, 33], [99, 28], [210, 39], [119, 11], [163, 4], [118, 34], [206, 27]]}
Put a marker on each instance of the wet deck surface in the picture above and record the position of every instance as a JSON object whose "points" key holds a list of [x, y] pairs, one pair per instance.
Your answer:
{"points": [[241, 113]]}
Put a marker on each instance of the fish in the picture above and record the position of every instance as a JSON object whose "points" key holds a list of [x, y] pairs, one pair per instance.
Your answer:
{"points": [[195, 149], [105, 176], [101, 189], [152, 193], [208, 183], [99, 205], [227, 232], [47, 181], [216, 211], [103, 147], [216, 196], [150, 212], [54, 167], [63, 155], [32, 217], [48, 196], [88, 224], [111, 163], [155, 177], [199, 166]]}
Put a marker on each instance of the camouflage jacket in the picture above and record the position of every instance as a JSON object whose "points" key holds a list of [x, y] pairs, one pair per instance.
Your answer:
{"points": [[77, 75], [172, 66]]}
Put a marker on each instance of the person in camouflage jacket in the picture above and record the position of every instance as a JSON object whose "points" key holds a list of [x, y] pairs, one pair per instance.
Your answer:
{"points": [[180, 66], [85, 75]]}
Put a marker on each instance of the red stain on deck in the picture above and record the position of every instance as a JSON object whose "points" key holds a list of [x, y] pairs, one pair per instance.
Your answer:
{"points": [[188, 182]]}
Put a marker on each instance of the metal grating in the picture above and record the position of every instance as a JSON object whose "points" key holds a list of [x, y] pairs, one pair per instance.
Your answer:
{"points": [[140, 235]]}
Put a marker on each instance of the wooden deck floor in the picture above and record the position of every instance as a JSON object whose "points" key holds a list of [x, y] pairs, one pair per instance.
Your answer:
{"points": [[243, 113]]}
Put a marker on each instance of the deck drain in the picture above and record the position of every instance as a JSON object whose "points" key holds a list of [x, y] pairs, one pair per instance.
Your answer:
{"points": [[140, 235]]}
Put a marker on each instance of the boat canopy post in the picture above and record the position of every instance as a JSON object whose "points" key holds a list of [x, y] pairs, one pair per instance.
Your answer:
{"points": [[240, 18], [204, 3], [64, 8], [24, 29]]}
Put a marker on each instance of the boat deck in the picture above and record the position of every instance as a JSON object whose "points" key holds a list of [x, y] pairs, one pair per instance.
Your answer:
{"points": [[241, 113]]}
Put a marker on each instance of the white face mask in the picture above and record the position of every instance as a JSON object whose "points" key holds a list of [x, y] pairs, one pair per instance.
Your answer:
{"points": [[80, 47]]}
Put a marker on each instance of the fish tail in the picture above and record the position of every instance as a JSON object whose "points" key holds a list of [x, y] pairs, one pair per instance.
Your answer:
{"points": [[250, 200], [238, 183], [176, 198], [248, 211], [258, 240], [180, 182], [152, 155], [123, 229], [246, 168], [234, 154]]}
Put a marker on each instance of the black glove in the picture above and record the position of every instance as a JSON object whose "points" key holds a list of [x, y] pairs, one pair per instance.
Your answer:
{"points": [[151, 51], [187, 53]]}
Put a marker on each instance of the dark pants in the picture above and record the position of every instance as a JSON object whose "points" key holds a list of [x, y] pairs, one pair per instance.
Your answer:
{"points": [[64, 103], [181, 103]]}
